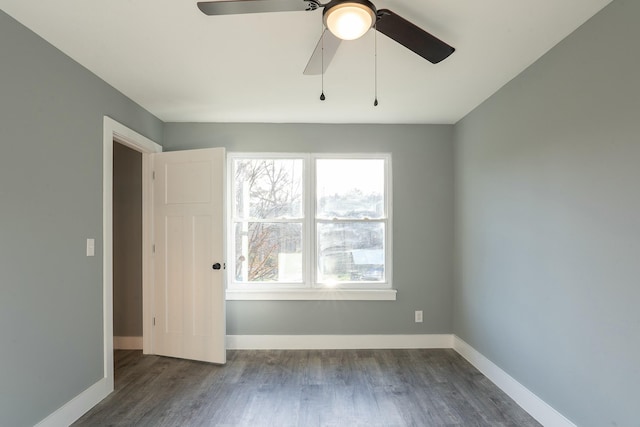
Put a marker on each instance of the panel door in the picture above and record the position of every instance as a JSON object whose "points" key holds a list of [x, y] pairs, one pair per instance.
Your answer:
{"points": [[189, 299]]}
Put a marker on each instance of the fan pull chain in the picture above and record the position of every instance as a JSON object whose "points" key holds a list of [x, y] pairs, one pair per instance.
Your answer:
{"points": [[375, 64], [322, 97]]}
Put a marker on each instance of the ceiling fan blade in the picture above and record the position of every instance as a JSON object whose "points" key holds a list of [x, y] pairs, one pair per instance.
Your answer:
{"points": [[234, 7], [412, 37], [316, 62]]}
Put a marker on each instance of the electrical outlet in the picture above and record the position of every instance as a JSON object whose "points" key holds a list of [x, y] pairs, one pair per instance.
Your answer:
{"points": [[418, 316]]}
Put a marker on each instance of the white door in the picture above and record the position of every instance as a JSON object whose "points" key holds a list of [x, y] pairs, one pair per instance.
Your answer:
{"points": [[189, 300]]}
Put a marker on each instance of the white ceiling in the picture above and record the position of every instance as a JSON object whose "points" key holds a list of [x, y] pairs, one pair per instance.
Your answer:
{"points": [[182, 65]]}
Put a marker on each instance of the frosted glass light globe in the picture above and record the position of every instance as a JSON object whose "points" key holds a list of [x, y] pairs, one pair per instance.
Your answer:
{"points": [[349, 21]]}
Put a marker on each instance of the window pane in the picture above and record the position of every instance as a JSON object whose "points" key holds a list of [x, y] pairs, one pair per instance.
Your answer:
{"points": [[268, 252], [350, 188], [351, 252], [268, 188]]}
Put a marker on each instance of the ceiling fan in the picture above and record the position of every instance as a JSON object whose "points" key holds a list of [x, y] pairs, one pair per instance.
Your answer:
{"points": [[344, 20]]}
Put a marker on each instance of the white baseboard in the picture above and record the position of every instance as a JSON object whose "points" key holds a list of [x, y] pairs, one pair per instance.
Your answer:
{"points": [[77, 406], [127, 343], [536, 407], [342, 342]]}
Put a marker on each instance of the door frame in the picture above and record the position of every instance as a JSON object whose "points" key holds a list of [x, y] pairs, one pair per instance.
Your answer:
{"points": [[115, 131]]}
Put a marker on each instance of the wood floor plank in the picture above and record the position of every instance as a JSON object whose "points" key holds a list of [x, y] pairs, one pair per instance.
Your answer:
{"points": [[308, 388]]}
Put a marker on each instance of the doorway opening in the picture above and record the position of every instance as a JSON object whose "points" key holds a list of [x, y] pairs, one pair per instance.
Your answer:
{"points": [[127, 248], [114, 132]]}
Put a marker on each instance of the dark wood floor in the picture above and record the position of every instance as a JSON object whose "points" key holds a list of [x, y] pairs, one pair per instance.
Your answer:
{"points": [[335, 388]]}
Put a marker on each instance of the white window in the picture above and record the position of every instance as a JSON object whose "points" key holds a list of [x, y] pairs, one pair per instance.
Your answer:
{"points": [[309, 226]]}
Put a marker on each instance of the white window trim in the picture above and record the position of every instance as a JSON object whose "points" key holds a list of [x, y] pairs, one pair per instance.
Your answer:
{"points": [[311, 294], [309, 289]]}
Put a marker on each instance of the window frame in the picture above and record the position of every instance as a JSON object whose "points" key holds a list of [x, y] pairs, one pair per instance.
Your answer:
{"points": [[309, 288]]}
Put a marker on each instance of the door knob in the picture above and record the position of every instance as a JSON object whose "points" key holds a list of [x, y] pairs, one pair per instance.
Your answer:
{"points": [[216, 266]]}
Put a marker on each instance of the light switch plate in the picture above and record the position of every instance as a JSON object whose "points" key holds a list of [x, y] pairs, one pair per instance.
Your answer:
{"points": [[91, 247]]}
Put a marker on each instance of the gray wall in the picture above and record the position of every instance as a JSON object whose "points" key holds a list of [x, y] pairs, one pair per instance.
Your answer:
{"points": [[127, 242], [51, 113], [548, 224], [546, 176], [422, 163]]}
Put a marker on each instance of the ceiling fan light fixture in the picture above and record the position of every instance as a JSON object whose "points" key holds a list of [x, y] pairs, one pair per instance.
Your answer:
{"points": [[349, 20]]}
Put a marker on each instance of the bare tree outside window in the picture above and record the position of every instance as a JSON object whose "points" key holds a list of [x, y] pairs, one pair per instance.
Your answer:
{"points": [[268, 227]]}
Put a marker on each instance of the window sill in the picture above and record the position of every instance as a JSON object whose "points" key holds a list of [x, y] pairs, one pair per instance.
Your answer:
{"points": [[311, 295]]}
